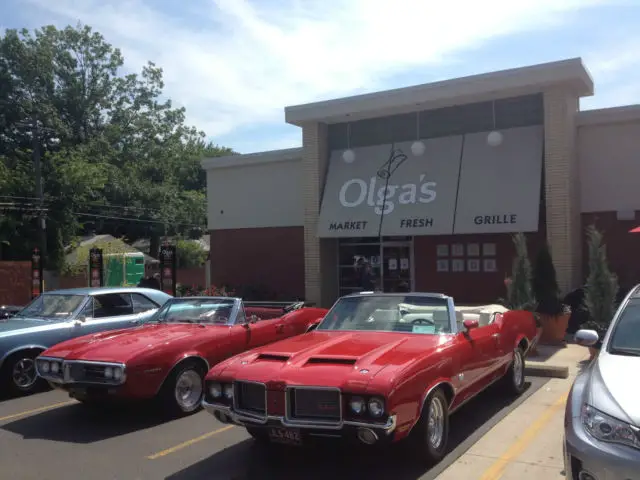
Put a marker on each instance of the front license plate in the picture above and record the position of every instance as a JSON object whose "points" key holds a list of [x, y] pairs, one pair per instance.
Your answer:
{"points": [[285, 435]]}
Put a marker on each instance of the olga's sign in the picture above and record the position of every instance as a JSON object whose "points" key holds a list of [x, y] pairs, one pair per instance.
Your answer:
{"points": [[449, 189], [382, 199]]}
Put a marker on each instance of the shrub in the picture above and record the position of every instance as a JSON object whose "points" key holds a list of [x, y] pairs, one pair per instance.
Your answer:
{"points": [[545, 285], [519, 289]]}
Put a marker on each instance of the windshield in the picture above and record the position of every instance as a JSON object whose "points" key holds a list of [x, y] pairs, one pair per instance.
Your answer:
{"points": [[389, 313], [625, 337], [52, 306], [208, 311]]}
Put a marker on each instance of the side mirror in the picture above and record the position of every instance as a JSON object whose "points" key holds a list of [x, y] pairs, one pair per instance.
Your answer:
{"points": [[586, 338], [470, 323], [253, 319]]}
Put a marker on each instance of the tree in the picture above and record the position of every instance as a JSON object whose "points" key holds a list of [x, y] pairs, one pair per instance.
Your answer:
{"points": [[545, 284], [190, 254], [115, 157], [519, 290], [601, 288]]}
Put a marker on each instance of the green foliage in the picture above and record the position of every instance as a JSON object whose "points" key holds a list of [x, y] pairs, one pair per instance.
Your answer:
{"points": [[190, 254], [116, 155], [77, 259], [519, 289], [545, 284], [601, 288]]}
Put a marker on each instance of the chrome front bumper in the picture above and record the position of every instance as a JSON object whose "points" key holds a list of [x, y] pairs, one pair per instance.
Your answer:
{"points": [[226, 414]]}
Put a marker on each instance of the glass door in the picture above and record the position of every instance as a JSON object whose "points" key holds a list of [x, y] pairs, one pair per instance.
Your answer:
{"points": [[397, 271]]}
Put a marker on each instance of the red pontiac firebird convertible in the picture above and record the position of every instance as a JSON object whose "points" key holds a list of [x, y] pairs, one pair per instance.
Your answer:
{"points": [[169, 355], [378, 368]]}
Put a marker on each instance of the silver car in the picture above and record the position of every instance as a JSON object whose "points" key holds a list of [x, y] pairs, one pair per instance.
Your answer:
{"points": [[602, 418], [61, 315]]}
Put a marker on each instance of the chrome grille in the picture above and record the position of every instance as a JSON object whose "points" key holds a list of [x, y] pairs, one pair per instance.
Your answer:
{"points": [[315, 404], [250, 397]]}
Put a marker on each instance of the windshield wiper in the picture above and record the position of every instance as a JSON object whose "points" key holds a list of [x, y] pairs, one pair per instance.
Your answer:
{"points": [[632, 352]]}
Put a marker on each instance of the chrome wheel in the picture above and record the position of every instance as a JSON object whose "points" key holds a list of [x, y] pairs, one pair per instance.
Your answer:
{"points": [[23, 373], [188, 391], [435, 425], [518, 369]]}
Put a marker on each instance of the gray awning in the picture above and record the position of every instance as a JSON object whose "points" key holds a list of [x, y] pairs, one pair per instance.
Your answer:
{"points": [[459, 185]]}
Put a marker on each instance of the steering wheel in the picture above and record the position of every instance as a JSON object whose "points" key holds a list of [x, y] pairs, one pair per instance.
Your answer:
{"points": [[423, 321]]}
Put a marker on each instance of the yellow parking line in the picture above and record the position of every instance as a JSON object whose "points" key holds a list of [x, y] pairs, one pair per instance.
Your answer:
{"points": [[36, 410], [189, 443], [495, 471]]}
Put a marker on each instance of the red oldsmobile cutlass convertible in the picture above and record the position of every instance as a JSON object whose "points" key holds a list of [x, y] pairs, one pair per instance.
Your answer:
{"points": [[169, 355], [379, 367]]}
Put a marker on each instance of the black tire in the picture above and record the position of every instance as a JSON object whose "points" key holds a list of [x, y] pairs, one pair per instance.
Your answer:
{"points": [[169, 394], [513, 381], [29, 382], [427, 445]]}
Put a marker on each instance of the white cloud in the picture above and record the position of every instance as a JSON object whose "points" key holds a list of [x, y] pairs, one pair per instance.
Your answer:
{"points": [[259, 56]]}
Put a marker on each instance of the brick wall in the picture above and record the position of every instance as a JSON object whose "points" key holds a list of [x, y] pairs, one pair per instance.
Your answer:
{"points": [[15, 283]]}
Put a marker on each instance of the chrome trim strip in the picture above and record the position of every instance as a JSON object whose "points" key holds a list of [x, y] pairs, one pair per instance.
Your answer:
{"points": [[239, 419], [250, 415], [18, 349], [64, 379], [292, 421]]}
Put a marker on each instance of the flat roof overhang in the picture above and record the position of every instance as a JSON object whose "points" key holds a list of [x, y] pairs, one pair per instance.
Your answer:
{"points": [[570, 74]]}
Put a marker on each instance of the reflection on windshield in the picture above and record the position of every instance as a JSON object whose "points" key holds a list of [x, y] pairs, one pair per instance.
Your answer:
{"points": [[389, 313], [214, 311], [52, 307], [626, 334]]}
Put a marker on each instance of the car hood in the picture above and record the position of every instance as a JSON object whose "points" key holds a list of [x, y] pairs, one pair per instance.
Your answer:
{"points": [[612, 389], [22, 325], [337, 359], [124, 345]]}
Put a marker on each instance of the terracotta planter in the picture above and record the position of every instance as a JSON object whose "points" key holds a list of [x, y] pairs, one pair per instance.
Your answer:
{"points": [[554, 328]]}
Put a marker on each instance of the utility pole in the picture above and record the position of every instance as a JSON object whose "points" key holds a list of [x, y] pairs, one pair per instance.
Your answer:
{"points": [[37, 166]]}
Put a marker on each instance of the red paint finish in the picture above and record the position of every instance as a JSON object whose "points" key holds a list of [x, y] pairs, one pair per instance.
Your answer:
{"points": [[261, 258], [151, 351], [15, 283], [468, 287], [623, 248], [400, 367]]}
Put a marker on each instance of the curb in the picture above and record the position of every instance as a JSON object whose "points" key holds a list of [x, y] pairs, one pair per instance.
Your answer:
{"points": [[538, 369]]}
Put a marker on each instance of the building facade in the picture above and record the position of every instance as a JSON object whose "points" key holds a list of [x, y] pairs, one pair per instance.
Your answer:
{"points": [[428, 184]]}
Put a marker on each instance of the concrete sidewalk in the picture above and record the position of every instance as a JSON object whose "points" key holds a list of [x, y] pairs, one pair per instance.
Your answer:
{"points": [[527, 444]]}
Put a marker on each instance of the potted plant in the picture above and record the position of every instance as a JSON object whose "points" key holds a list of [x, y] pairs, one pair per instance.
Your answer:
{"points": [[553, 314], [519, 288], [601, 288]]}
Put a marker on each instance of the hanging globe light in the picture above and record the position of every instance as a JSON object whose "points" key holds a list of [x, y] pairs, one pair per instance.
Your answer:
{"points": [[418, 148], [494, 138], [349, 156]]}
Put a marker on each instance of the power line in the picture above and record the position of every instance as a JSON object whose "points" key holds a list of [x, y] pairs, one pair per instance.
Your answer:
{"points": [[135, 220]]}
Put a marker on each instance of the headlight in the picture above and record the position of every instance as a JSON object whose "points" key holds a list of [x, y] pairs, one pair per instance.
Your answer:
{"points": [[608, 429], [357, 405], [55, 367], [376, 407], [117, 373], [228, 391], [215, 389], [108, 372], [44, 367]]}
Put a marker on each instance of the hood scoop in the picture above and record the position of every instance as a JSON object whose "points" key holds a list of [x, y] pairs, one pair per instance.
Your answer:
{"points": [[331, 361], [273, 357]]}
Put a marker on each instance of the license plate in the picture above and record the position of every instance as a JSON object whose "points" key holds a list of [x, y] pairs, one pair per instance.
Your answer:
{"points": [[285, 435]]}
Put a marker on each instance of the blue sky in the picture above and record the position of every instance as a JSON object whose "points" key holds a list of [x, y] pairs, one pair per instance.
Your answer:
{"points": [[235, 64]]}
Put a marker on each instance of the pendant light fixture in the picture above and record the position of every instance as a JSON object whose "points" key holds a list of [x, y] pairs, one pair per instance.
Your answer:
{"points": [[495, 137], [418, 147], [348, 155]]}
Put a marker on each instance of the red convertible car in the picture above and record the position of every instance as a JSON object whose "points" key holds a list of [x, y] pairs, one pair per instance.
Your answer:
{"points": [[169, 355], [378, 368]]}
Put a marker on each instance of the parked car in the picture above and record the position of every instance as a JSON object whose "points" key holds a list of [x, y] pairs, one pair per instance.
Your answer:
{"points": [[7, 311], [602, 416], [380, 367], [59, 315], [168, 357]]}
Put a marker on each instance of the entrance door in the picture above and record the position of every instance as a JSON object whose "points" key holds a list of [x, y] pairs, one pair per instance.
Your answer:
{"points": [[398, 267]]}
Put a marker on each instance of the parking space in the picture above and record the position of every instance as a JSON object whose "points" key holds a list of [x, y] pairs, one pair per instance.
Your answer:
{"points": [[47, 436]]}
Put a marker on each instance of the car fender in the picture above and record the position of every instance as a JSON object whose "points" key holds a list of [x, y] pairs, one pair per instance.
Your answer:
{"points": [[523, 342], [181, 358], [21, 347], [441, 382]]}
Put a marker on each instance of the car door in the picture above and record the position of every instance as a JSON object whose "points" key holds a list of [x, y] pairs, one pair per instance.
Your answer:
{"points": [[264, 331], [109, 311], [484, 343]]}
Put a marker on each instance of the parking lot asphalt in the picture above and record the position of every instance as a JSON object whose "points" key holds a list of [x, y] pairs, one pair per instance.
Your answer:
{"points": [[49, 437]]}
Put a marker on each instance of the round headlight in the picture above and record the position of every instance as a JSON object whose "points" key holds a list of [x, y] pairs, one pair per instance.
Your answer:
{"points": [[108, 372], [228, 391], [376, 407], [117, 373], [44, 366], [55, 367], [357, 405], [215, 389]]}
